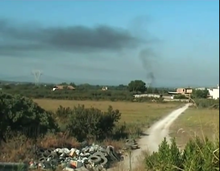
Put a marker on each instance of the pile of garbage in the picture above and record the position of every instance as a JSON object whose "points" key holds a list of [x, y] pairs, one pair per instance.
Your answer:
{"points": [[94, 157], [130, 144]]}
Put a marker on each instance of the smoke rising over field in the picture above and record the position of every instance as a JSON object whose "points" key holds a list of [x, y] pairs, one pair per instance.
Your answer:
{"points": [[147, 58], [73, 38], [26, 39]]}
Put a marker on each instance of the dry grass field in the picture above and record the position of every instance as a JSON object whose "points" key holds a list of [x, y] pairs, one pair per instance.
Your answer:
{"points": [[131, 112], [201, 122], [196, 122]]}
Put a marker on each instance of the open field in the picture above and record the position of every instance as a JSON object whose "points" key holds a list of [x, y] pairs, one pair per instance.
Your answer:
{"points": [[131, 112], [195, 122], [199, 121]]}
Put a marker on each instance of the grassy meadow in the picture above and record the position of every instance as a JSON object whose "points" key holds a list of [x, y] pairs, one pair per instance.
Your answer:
{"points": [[201, 122], [196, 122], [131, 112]]}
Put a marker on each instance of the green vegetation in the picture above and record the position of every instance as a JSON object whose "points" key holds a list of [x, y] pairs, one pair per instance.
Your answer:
{"points": [[198, 155], [201, 122], [200, 98], [20, 114], [207, 103], [180, 97], [200, 94], [83, 91], [45, 122], [137, 86], [84, 123]]}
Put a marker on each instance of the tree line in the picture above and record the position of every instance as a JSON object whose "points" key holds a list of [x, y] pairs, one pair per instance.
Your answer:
{"points": [[113, 93], [84, 91]]}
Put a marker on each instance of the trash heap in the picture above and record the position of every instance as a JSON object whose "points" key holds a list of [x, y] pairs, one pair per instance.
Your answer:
{"points": [[130, 144], [94, 157]]}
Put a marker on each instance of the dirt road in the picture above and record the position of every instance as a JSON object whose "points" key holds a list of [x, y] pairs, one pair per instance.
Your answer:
{"points": [[151, 139]]}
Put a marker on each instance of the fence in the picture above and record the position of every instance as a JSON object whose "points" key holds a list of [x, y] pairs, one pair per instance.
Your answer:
{"points": [[13, 166]]}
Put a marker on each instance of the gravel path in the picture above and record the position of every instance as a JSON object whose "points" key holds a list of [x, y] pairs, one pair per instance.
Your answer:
{"points": [[151, 139]]}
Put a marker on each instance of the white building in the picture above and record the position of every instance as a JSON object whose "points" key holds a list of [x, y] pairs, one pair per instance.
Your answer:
{"points": [[200, 88], [214, 93], [147, 95]]}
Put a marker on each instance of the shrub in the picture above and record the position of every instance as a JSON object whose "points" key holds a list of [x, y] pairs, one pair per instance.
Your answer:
{"points": [[207, 103], [166, 159], [21, 114], [198, 155], [84, 123], [200, 94], [180, 97]]}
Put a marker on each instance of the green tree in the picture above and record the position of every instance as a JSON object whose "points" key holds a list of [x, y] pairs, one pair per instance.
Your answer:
{"points": [[73, 84], [21, 114], [201, 94], [137, 86], [91, 122]]}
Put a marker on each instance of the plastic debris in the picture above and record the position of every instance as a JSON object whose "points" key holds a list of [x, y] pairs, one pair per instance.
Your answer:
{"points": [[94, 157]]}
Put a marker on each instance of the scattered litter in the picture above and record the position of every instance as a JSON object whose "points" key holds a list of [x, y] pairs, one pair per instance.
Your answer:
{"points": [[94, 157], [130, 144]]}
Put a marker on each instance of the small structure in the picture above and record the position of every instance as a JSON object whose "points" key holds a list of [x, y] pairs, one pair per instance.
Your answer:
{"points": [[181, 91], [61, 87], [184, 91], [57, 87], [200, 88], [214, 93], [70, 87], [104, 88], [148, 95]]}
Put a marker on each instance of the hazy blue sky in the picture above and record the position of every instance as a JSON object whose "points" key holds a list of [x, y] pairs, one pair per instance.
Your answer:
{"points": [[168, 43]]}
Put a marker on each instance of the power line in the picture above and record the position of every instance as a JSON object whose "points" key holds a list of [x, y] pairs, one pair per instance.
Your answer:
{"points": [[37, 74]]}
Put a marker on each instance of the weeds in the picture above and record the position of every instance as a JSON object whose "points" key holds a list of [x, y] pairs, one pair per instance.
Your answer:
{"points": [[198, 155]]}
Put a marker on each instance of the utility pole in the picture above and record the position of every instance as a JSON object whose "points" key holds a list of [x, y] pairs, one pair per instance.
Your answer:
{"points": [[129, 151], [37, 74]]}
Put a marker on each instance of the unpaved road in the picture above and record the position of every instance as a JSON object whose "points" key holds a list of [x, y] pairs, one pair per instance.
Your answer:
{"points": [[151, 140]]}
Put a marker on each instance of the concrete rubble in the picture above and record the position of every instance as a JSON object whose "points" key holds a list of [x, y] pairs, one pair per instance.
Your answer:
{"points": [[91, 158]]}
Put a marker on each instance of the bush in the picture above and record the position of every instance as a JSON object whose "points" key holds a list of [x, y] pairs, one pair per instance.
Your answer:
{"points": [[198, 155], [166, 158], [207, 103], [84, 123], [180, 97], [20, 114], [200, 94]]}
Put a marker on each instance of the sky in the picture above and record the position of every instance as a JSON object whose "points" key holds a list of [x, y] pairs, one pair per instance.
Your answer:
{"points": [[164, 43]]}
